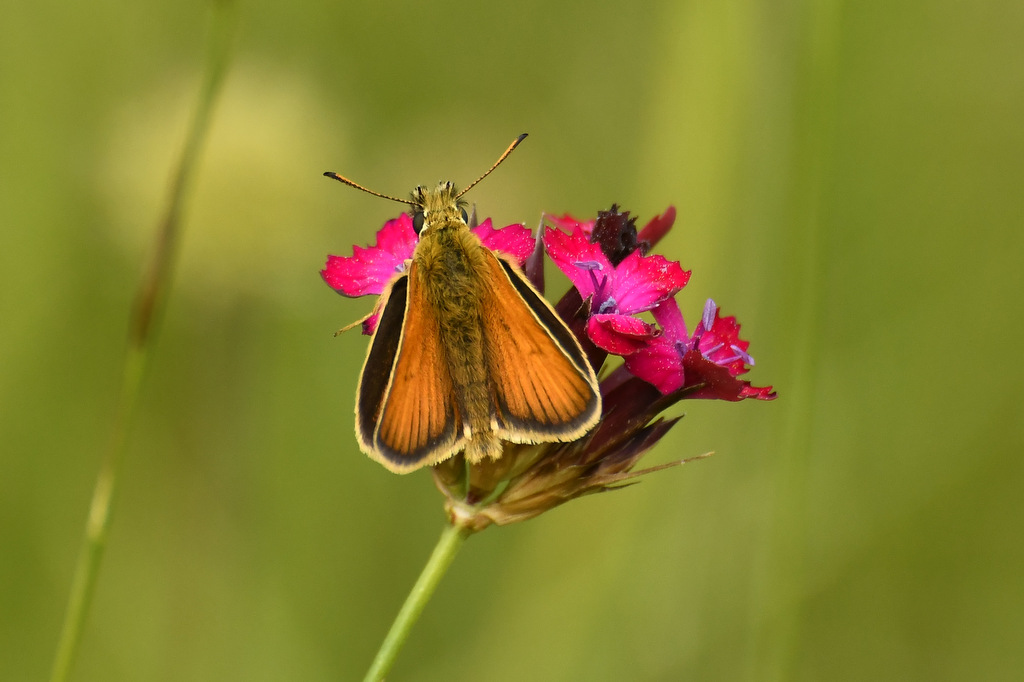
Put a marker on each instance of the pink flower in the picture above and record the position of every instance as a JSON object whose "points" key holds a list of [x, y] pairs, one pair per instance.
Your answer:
{"points": [[606, 262], [615, 276], [369, 270], [514, 240], [706, 364]]}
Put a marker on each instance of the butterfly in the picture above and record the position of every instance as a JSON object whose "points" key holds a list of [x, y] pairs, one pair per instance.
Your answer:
{"points": [[466, 353]]}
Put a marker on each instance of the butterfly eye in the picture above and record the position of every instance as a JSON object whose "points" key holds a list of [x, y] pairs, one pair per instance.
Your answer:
{"points": [[417, 221], [465, 216]]}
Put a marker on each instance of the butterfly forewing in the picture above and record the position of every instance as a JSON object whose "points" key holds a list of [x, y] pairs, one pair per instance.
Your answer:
{"points": [[543, 387], [380, 359], [417, 421]]}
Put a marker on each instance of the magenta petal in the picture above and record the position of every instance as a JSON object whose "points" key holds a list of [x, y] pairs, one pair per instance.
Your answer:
{"points": [[359, 275], [722, 351], [620, 334], [642, 282], [718, 339], [658, 364], [658, 227], [569, 224], [583, 263], [370, 324], [370, 269], [670, 318], [397, 237], [717, 382], [515, 241], [758, 392]]}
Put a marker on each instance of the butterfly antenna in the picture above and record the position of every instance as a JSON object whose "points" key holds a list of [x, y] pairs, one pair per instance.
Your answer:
{"points": [[348, 182], [515, 143]]}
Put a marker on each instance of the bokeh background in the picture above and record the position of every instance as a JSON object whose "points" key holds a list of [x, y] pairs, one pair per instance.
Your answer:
{"points": [[848, 178]]}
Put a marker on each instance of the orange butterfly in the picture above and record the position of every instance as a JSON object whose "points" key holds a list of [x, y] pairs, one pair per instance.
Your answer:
{"points": [[466, 353]]}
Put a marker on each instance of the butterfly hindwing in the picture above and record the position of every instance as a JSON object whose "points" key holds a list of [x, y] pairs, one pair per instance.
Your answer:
{"points": [[543, 387]]}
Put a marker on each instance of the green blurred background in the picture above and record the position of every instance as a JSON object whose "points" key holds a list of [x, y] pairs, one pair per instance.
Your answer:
{"points": [[848, 179]]}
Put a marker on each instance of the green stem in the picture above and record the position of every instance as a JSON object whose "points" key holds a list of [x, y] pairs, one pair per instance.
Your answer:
{"points": [[447, 547], [146, 309]]}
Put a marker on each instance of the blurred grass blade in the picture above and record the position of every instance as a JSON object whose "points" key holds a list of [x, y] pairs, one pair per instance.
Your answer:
{"points": [[780, 583], [145, 312]]}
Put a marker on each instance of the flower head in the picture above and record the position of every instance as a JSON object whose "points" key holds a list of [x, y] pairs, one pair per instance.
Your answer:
{"points": [[614, 280], [708, 362], [605, 261]]}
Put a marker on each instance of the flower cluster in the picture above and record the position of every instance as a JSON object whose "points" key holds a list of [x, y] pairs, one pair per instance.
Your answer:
{"points": [[607, 262], [615, 280]]}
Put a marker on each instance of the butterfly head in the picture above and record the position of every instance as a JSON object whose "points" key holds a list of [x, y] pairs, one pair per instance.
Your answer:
{"points": [[439, 208]]}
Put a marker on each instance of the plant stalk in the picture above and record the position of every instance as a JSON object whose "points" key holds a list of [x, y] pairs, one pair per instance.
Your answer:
{"points": [[444, 552], [146, 310]]}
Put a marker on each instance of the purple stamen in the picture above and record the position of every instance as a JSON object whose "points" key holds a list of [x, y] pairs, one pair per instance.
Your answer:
{"points": [[599, 286], [588, 265], [708, 319], [707, 353], [740, 353]]}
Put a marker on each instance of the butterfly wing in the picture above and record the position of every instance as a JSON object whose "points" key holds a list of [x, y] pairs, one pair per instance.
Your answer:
{"points": [[543, 387], [406, 411]]}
